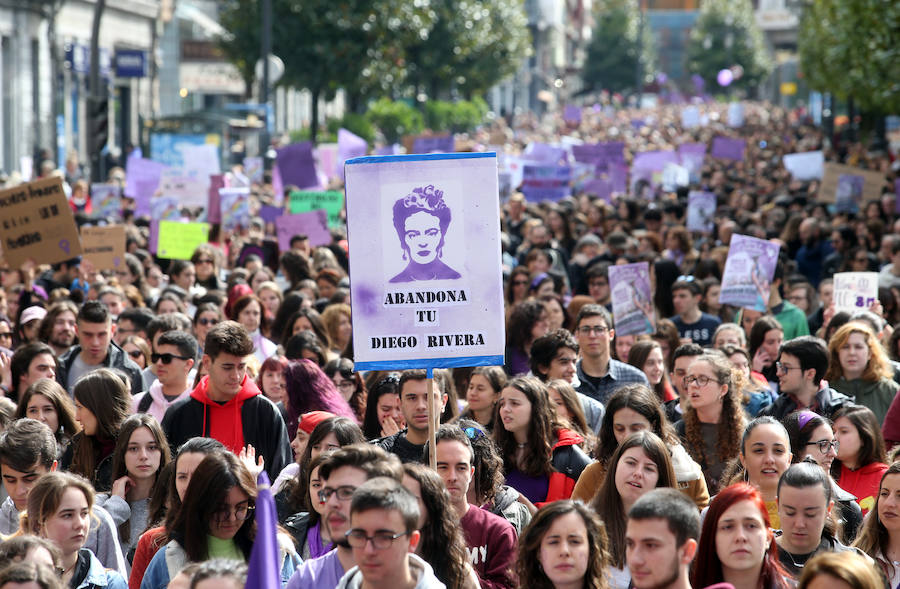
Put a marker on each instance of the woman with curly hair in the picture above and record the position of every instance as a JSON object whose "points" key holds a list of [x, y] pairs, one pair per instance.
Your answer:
{"points": [[527, 322], [534, 444], [640, 464], [859, 368], [737, 545], [568, 533], [714, 418], [635, 408], [442, 543]]}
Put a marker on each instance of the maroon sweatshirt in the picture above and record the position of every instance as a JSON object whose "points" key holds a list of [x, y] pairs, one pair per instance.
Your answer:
{"points": [[491, 543]]}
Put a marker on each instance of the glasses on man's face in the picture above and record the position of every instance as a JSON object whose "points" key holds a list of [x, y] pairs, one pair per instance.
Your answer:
{"points": [[784, 369], [381, 540], [241, 512], [700, 381], [824, 445], [344, 493], [166, 358], [593, 329], [4, 334]]}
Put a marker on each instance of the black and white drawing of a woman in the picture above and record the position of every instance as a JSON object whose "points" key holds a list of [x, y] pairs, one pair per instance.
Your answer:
{"points": [[421, 219]]}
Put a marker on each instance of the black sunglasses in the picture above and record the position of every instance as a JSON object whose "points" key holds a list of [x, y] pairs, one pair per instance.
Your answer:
{"points": [[166, 358], [135, 353]]}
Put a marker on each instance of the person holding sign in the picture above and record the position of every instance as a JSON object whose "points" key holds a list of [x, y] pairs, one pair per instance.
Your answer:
{"points": [[421, 219], [409, 444], [860, 368]]}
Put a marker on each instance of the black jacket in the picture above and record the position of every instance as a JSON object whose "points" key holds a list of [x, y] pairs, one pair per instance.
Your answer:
{"points": [[116, 358], [828, 401], [261, 425]]}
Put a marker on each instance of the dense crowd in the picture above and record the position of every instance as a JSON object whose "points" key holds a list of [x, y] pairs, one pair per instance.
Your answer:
{"points": [[726, 445]]}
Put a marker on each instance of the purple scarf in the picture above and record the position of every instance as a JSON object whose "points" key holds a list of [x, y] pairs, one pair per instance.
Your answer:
{"points": [[314, 540]]}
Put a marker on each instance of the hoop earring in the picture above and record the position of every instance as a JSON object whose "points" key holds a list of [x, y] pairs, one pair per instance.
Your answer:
{"points": [[404, 255]]}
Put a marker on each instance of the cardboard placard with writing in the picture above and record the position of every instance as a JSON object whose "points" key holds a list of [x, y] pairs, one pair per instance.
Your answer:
{"points": [[104, 246], [872, 182], [36, 223]]}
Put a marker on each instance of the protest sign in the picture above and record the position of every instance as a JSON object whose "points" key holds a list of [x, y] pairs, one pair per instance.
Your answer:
{"points": [[107, 200], [313, 224], [690, 117], [647, 169], [36, 223], [326, 155], [872, 182], [691, 156], [424, 253], [177, 240], [674, 176], [727, 148], [701, 210], [735, 114], [332, 201], [213, 209], [254, 168], [349, 146], [854, 291], [543, 153], [602, 155], [748, 274], [432, 144], [190, 191], [26, 166], [235, 207], [572, 114], [848, 195], [296, 166], [809, 165], [545, 182], [141, 182], [104, 246], [268, 213], [201, 161], [600, 187], [632, 299]]}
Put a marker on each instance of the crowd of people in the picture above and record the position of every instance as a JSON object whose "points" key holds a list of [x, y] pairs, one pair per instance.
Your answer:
{"points": [[726, 445]]}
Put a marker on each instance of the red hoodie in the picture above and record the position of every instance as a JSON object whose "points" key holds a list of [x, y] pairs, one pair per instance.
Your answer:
{"points": [[561, 485], [863, 482], [224, 419]]}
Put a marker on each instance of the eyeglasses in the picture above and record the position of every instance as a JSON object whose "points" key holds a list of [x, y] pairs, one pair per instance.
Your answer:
{"points": [[701, 380], [204, 321], [241, 512], [782, 369], [593, 329], [6, 334], [824, 445], [166, 358], [135, 354], [344, 493], [381, 540], [473, 433]]}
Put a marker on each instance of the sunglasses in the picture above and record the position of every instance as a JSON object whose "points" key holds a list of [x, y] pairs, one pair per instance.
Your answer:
{"points": [[166, 358], [204, 321], [135, 354]]}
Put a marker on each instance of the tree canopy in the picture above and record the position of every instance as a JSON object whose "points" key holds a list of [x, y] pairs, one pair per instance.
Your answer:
{"points": [[617, 42]]}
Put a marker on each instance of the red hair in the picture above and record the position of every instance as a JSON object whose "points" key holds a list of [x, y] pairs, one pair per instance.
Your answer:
{"points": [[708, 568]]}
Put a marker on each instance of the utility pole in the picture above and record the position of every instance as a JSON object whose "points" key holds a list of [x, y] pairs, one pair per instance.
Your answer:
{"points": [[265, 51], [98, 101]]}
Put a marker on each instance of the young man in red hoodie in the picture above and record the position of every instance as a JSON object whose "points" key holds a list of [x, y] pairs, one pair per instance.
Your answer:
{"points": [[227, 405]]}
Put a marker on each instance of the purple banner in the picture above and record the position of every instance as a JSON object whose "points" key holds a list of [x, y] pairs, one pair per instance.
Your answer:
{"points": [[313, 224], [438, 144], [748, 272], [545, 182], [727, 148], [600, 187], [297, 166], [600, 154], [270, 213], [629, 285], [654, 160], [349, 146], [572, 114], [141, 181]]}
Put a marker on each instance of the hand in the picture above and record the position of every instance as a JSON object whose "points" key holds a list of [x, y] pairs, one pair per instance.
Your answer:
{"points": [[121, 486], [255, 464], [827, 314], [761, 360], [389, 427], [5, 372], [27, 270], [877, 308]]}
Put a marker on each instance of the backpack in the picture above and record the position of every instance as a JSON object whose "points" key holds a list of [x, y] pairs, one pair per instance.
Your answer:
{"points": [[145, 402]]}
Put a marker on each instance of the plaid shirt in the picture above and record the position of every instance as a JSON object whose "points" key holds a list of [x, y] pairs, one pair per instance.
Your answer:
{"points": [[618, 375]]}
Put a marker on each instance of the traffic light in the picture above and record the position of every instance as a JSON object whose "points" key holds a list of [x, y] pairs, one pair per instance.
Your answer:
{"points": [[98, 123]]}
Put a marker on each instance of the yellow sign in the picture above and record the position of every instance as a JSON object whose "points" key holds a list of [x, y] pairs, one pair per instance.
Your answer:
{"points": [[788, 88], [177, 240]]}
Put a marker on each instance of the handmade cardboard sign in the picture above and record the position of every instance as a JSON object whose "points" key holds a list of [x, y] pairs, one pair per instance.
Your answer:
{"points": [[36, 223], [872, 183], [104, 246], [426, 288], [749, 270], [632, 299], [854, 291]]}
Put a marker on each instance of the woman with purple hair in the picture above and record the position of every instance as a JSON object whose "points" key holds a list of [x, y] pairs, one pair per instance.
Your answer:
{"points": [[310, 389]]}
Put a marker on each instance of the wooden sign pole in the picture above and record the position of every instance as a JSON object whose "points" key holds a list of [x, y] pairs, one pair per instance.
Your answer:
{"points": [[432, 419]]}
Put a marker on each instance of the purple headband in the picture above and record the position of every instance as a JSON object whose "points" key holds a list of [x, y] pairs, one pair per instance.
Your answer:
{"points": [[805, 417], [538, 279]]}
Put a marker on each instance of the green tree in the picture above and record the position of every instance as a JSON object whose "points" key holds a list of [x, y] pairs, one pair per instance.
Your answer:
{"points": [[617, 42], [851, 48], [241, 43], [725, 35]]}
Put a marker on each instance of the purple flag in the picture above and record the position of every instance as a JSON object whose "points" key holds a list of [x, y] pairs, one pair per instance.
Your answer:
{"points": [[572, 114], [313, 224], [349, 146], [270, 213], [439, 144], [214, 210], [264, 570], [296, 165], [727, 148]]}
